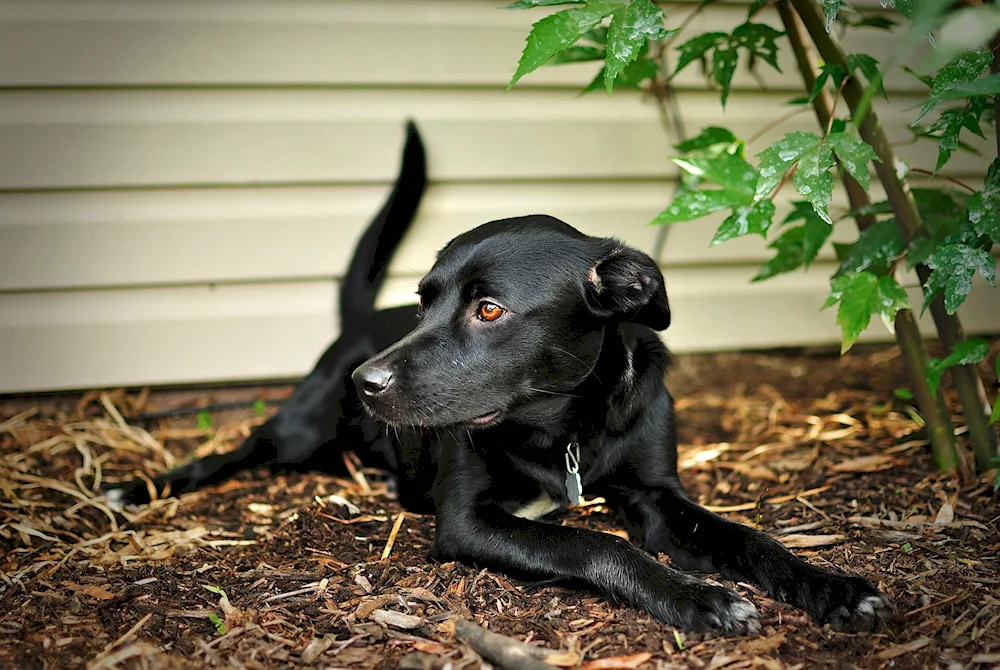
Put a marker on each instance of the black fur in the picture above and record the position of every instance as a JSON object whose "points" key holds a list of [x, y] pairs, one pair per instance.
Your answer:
{"points": [[483, 412]]}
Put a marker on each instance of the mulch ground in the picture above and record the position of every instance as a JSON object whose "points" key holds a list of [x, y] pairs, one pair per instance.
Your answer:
{"points": [[316, 570]]}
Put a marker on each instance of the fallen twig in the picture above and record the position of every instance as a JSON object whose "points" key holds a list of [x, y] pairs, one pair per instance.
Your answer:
{"points": [[500, 649]]}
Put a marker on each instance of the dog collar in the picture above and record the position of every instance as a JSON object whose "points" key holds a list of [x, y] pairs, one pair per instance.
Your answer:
{"points": [[574, 487]]}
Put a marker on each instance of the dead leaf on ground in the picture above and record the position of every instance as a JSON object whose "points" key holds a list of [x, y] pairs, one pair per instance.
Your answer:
{"points": [[872, 463]]}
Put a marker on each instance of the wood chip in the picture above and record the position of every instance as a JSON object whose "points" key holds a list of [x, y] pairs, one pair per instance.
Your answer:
{"points": [[945, 515], [398, 619], [801, 540], [633, 661], [902, 649]]}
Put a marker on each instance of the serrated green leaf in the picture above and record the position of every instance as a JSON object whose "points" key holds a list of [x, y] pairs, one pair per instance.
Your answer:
{"points": [[965, 352], [728, 170], [828, 71], [814, 178], [220, 625], [559, 31], [989, 85], [759, 40], [724, 61], [695, 204], [797, 246], [528, 4], [631, 77], [862, 295], [952, 125], [776, 160], [577, 54], [854, 155], [958, 72], [954, 266], [696, 48], [876, 250], [868, 66], [984, 206], [708, 137], [630, 30], [830, 9], [751, 219], [943, 214]]}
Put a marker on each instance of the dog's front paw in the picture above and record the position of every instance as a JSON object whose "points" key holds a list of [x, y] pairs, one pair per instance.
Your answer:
{"points": [[848, 603], [134, 492], [701, 607]]}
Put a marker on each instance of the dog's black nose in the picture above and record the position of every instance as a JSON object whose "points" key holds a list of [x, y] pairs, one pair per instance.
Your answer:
{"points": [[372, 380]]}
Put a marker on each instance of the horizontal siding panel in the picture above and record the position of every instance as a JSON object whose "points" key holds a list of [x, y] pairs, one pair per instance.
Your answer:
{"points": [[67, 340], [107, 139], [307, 42], [122, 238]]}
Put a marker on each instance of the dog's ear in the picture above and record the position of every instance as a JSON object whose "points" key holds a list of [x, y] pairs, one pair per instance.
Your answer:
{"points": [[626, 285]]}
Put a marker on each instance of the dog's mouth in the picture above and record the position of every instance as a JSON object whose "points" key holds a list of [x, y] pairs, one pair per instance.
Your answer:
{"points": [[486, 419]]}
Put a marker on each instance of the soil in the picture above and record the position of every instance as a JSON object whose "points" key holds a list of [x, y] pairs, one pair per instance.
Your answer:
{"points": [[266, 572]]}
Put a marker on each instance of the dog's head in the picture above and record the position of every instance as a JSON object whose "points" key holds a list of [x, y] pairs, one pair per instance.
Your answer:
{"points": [[513, 316]]}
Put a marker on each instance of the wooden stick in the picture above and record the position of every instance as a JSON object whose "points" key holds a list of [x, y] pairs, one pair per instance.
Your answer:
{"points": [[392, 535], [504, 651]]}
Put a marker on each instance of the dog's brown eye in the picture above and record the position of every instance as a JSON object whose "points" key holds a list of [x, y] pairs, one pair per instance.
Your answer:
{"points": [[489, 311]]}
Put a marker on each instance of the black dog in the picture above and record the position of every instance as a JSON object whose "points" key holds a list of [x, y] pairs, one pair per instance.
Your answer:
{"points": [[534, 370]]}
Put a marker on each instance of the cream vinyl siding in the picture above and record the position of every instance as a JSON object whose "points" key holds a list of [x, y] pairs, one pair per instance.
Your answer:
{"points": [[182, 182]]}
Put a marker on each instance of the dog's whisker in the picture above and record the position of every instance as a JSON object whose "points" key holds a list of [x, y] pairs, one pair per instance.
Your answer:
{"points": [[590, 366]]}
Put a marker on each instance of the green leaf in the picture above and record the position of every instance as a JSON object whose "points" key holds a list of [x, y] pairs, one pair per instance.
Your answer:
{"points": [[875, 21], [984, 207], [630, 78], [220, 625], [724, 62], [862, 295], [630, 31], [577, 54], [989, 85], [746, 220], [756, 6], [215, 589], [960, 71], [797, 246], [204, 422], [696, 48], [728, 170], [708, 137], [759, 40], [830, 9], [950, 123], [954, 266], [814, 178], [528, 4], [259, 408], [965, 352], [559, 31], [828, 71], [695, 204], [854, 155], [778, 159], [943, 214], [876, 250], [869, 68]]}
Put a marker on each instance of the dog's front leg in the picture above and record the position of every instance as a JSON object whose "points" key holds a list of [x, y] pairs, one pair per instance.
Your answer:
{"points": [[484, 534], [697, 539]]}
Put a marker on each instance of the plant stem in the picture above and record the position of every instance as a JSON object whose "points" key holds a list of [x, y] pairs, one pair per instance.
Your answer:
{"points": [[940, 429], [970, 388]]}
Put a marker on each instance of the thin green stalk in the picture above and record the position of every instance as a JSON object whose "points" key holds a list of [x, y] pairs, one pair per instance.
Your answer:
{"points": [[967, 382], [940, 429]]}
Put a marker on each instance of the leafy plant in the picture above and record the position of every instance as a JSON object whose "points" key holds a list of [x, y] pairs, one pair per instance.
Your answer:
{"points": [[946, 235]]}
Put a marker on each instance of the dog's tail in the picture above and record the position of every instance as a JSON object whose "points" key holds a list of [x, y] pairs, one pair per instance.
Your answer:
{"points": [[369, 265]]}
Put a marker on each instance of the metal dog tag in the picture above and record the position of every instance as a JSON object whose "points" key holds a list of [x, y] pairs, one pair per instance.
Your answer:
{"points": [[574, 487]]}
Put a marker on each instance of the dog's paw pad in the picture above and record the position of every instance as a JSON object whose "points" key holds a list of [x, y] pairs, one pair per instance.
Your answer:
{"points": [[868, 613]]}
